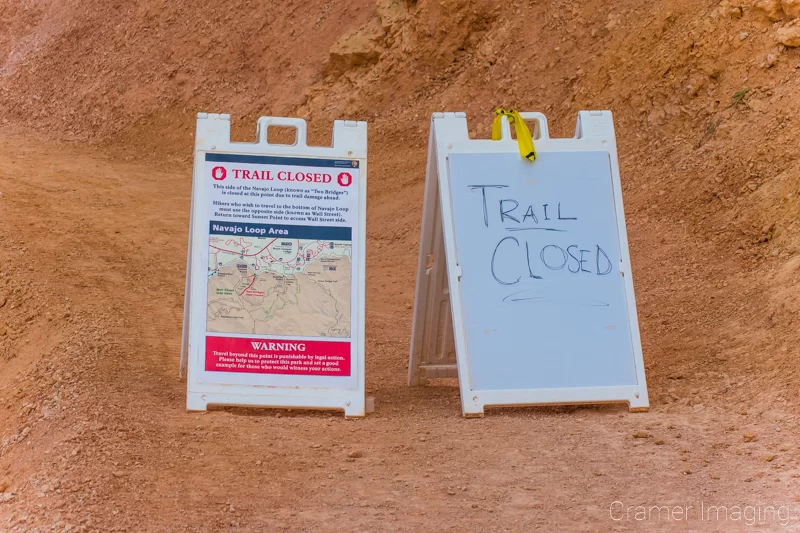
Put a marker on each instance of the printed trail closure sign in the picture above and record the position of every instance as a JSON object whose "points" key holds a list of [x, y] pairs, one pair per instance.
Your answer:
{"points": [[275, 282], [524, 270]]}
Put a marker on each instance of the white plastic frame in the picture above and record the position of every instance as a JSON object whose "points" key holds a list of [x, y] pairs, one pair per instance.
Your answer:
{"points": [[213, 135], [438, 294]]}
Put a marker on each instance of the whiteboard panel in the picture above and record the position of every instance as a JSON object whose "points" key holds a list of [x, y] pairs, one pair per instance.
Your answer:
{"points": [[543, 297]]}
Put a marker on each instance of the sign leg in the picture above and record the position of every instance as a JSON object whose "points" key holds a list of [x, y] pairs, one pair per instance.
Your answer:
{"points": [[355, 411], [195, 402], [432, 344]]}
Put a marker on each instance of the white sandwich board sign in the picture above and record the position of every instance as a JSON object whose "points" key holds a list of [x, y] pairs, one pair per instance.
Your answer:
{"points": [[524, 278], [274, 309]]}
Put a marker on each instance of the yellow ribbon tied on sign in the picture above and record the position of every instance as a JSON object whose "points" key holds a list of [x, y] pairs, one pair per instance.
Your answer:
{"points": [[524, 137]]}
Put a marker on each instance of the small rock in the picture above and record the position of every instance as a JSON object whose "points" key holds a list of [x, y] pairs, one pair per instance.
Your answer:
{"points": [[743, 35], [659, 442], [355, 454], [656, 116], [119, 473], [4, 484], [771, 9], [392, 12], [789, 35], [356, 49], [791, 8], [766, 61], [750, 437], [735, 12], [612, 21], [6, 497], [769, 458], [641, 434], [687, 471]]}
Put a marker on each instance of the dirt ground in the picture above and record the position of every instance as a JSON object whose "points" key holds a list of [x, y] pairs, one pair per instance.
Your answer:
{"points": [[97, 106]]}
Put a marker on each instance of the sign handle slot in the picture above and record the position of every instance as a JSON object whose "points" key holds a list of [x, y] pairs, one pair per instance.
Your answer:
{"points": [[298, 124]]}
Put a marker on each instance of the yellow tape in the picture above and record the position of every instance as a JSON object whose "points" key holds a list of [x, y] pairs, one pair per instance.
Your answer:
{"points": [[524, 137]]}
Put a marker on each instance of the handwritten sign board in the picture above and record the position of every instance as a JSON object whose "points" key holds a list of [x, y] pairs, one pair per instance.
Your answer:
{"points": [[275, 282], [539, 282]]}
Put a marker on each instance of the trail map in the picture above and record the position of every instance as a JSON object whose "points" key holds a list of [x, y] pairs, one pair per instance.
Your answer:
{"points": [[279, 286]]}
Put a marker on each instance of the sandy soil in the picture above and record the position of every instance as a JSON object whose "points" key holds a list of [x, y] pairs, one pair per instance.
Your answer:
{"points": [[95, 186]]}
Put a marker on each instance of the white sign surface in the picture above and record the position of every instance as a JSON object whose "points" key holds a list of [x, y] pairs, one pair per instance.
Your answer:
{"points": [[541, 291], [280, 298], [276, 276]]}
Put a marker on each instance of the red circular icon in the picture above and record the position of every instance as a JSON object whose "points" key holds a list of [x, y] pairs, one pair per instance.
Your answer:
{"points": [[219, 173], [345, 179]]}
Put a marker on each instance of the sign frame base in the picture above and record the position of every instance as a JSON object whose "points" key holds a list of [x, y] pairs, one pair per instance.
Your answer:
{"points": [[201, 401]]}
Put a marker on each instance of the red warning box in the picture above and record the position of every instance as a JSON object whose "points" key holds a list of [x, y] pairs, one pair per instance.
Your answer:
{"points": [[269, 356]]}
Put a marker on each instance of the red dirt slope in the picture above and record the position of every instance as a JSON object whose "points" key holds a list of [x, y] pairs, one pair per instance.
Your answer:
{"points": [[97, 106]]}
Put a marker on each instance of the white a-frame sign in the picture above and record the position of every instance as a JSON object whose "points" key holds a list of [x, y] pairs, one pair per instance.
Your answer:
{"points": [[274, 308], [524, 286]]}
